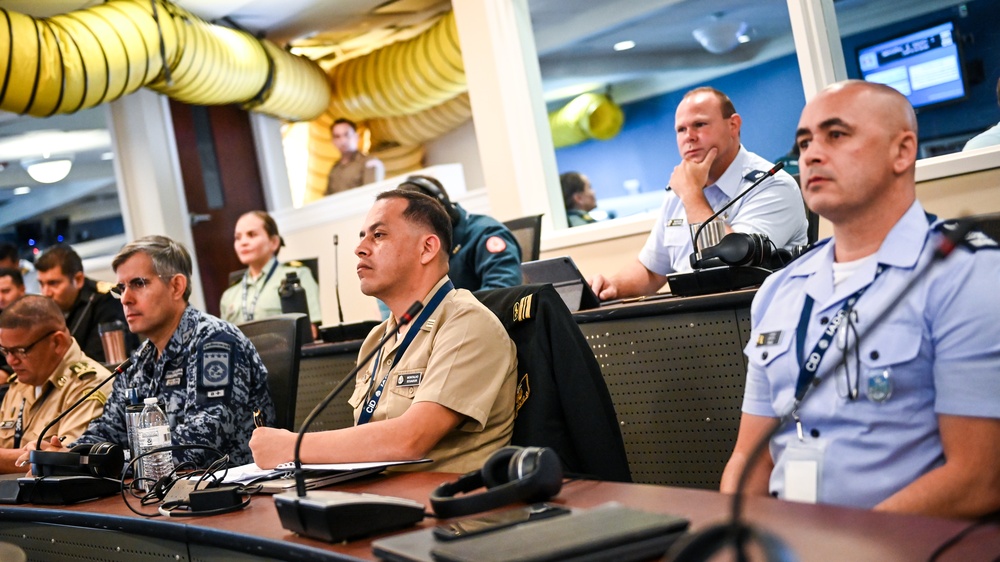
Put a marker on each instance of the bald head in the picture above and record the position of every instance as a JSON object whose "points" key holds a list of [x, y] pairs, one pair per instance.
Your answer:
{"points": [[896, 112]]}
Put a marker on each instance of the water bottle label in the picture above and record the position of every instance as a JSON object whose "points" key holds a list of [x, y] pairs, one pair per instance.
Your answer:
{"points": [[154, 436]]}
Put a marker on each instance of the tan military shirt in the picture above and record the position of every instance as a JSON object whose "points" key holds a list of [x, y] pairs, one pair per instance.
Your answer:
{"points": [[75, 375], [462, 359], [352, 171]]}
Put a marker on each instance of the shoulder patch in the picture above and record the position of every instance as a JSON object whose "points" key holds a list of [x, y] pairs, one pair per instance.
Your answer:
{"points": [[99, 397], [104, 287], [495, 244], [973, 239], [754, 175], [216, 364], [522, 309]]}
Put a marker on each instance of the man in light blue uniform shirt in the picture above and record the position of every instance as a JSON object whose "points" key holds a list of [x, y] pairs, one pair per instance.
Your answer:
{"points": [[714, 169], [905, 415]]}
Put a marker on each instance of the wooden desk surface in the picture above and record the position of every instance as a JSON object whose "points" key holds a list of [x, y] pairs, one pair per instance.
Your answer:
{"points": [[815, 533]]}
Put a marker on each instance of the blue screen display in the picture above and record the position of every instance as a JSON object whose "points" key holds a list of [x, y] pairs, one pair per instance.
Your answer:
{"points": [[925, 66]]}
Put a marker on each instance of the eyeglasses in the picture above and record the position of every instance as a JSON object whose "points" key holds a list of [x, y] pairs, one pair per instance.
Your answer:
{"points": [[134, 285], [847, 332], [20, 353]]}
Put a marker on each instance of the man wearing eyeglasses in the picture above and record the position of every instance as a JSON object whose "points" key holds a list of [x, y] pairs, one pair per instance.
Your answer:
{"points": [[882, 364], [50, 373], [85, 302], [205, 372]]}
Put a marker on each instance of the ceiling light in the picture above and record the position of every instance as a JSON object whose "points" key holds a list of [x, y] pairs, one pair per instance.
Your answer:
{"points": [[23, 190], [624, 45], [720, 36], [48, 171]]}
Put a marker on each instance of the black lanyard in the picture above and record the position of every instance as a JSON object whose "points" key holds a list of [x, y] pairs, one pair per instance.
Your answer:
{"points": [[248, 312], [19, 425], [810, 365], [372, 404]]}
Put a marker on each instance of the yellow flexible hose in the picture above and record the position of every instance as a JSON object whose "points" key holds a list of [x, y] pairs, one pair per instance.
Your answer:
{"points": [[424, 126], [587, 116], [94, 55]]}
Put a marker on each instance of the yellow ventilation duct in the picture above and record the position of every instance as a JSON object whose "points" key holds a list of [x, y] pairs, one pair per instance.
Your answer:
{"points": [[588, 116], [94, 55], [424, 126], [402, 78]]}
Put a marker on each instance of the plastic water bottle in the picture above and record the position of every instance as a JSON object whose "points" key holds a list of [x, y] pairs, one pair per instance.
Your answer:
{"points": [[153, 433], [133, 409]]}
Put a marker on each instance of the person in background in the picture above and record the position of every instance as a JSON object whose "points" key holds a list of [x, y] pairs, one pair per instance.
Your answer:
{"points": [[204, 371], [715, 167], [354, 168], [50, 374], [257, 242], [484, 253], [450, 398], [901, 415], [10, 258], [989, 137], [11, 289], [578, 197], [85, 302]]}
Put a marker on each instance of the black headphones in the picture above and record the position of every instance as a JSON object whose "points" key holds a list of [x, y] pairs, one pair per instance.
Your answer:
{"points": [[104, 460], [736, 249], [432, 187], [512, 474]]}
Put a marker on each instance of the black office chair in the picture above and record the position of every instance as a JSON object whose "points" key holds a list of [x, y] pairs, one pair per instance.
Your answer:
{"points": [[528, 232], [278, 341], [563, 402]]}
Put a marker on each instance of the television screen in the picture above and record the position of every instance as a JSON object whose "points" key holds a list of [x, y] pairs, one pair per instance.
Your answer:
{"points": [[925, 65]]}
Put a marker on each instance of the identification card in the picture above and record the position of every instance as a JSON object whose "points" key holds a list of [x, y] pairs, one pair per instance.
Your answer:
{"points": [[804, 470]]}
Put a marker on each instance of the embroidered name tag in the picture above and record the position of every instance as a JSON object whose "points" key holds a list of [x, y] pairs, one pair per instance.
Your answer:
{"points": [[173, 378], [770, 338], [675, 222], [409, 379], [215, 393], [7, 424]]}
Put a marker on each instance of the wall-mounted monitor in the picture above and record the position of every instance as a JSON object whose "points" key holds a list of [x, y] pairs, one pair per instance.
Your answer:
{"points": [[926, 65]]}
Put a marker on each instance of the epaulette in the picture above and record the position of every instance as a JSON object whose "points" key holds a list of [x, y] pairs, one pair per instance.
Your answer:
{"points": [[104, 287], [974, 239], [81, 369], [12, 378]]}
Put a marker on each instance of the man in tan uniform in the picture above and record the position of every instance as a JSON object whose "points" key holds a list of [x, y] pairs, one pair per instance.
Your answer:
{"points": [[354, 168], [50, 374], [444, 388]]}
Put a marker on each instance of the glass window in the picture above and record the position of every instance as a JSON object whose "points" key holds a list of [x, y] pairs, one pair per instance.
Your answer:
{"points": [[744, 49]]}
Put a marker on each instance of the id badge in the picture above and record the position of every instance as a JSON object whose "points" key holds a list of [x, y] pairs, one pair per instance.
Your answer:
{"points": [[804, 470]]}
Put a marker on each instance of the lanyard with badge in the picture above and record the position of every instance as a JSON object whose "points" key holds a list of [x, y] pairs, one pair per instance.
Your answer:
{"points": [[372, 404], [248, 311]]}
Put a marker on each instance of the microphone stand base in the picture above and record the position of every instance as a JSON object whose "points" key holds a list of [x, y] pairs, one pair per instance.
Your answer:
{"points": [[64, 490], [716, 280], [339, 516]]}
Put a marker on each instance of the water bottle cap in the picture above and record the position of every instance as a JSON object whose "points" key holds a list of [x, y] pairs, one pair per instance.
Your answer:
{"points": [[150, 400]]}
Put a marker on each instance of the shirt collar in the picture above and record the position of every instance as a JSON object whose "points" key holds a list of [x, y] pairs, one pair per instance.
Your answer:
{"points": [[732, 179]]}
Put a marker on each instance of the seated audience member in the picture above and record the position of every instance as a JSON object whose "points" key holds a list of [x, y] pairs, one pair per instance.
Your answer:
{"points": [[578, 197], [11, 289], [354, 168], [257, 242], [85, 302], [484, 253], [50, 375], [204, 371], [714, 169], [9, 258], [451, 396], [901, 415], [989, 137]]}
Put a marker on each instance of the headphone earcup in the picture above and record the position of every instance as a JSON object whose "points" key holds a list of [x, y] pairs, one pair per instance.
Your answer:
{"points": [[104, 460], [541, 467], [497, 469]]}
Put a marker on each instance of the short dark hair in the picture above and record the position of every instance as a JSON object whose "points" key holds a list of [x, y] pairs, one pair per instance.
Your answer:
{"points": [[342, 121], [8, 251], [14, 274], [424, 210], [29, 311], [62, 256], [572, 183], [726, 104], [169, 257]]}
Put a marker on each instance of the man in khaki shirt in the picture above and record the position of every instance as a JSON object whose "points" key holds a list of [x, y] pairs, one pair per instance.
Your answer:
{"points": [[354, 168], [444, 388], [50, 374]]}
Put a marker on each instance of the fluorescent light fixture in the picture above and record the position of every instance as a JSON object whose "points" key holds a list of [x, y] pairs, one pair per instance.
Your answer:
{"points": [[624, 45], [48, 171], [23, 190]]}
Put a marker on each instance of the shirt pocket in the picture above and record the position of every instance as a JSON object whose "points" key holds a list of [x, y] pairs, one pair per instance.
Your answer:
{"points": [[400, 398], [676, 236], [895, 344], [360, 392], [770, 344]]}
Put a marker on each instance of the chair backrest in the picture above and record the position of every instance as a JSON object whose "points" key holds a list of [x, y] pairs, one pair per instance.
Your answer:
{"points": [[528, 232], [563, 402], [278, 341]]}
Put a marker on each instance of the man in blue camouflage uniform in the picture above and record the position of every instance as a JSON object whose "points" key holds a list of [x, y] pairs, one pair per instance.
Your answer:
{"points": [[205, 372]]}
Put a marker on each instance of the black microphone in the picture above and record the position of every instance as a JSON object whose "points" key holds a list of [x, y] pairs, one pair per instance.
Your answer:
{"points": [[702, 545], [343, 332], [288, 507], [694, 242], [336, 278]]}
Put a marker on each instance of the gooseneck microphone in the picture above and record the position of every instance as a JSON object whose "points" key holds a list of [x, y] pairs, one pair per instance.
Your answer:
{"points": [[336, 278], [697, 235], [703, 545]]}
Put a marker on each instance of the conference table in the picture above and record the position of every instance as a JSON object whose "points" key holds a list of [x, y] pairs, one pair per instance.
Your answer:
{"points": [[106, 529]]}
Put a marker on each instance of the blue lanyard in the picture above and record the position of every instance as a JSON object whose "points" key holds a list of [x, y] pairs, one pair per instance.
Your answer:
{"points": [[248, 312], [810, 366], [372, 404]]}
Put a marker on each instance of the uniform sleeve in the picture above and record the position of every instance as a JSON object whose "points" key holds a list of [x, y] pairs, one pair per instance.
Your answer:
{"points": [[654, 255], [312, 295], [498, 269], [75, 423], [110, 425], [776, 209], [228, 309]]}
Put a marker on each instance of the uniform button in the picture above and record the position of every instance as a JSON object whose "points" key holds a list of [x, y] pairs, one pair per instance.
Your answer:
{"points": [[824, 320], [814, 432], [874, 355], [763, 355]]}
